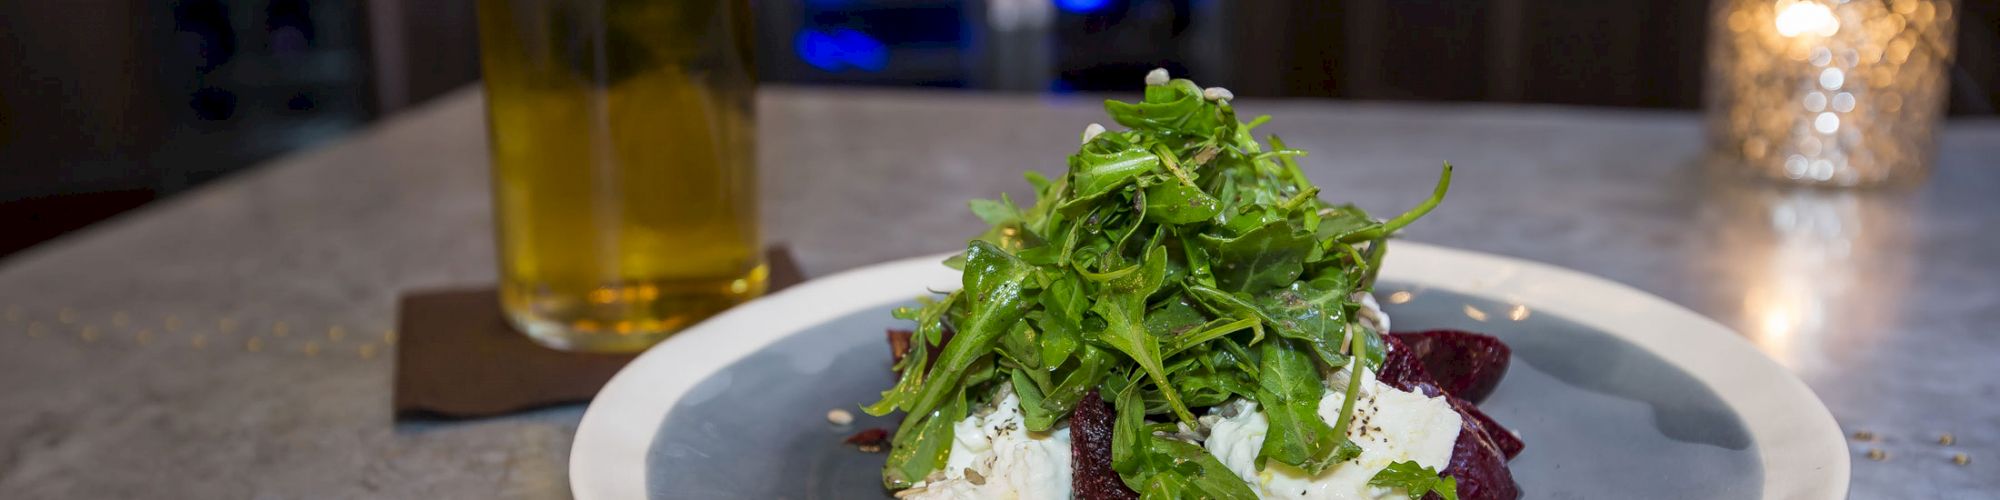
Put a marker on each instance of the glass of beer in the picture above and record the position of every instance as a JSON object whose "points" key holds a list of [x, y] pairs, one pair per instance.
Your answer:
{"points": [[624, 183]]}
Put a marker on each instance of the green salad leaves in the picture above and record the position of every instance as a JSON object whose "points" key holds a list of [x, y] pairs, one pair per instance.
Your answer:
{"points": [[1416, 480], [1174, 265]]}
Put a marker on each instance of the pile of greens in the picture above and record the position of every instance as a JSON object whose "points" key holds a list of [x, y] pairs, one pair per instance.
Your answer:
{"points": [[1176, 265]]}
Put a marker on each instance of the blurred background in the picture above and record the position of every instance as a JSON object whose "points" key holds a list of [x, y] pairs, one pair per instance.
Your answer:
{"points": [[106, 106]]}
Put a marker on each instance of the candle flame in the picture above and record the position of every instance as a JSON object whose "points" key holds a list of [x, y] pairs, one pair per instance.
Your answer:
{"points": [[1800, 17]]}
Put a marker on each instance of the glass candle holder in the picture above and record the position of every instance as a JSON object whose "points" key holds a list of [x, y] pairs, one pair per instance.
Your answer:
{"points": [[1832, 92]]}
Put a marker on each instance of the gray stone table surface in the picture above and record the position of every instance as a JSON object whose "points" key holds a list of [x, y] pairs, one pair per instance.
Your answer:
{"points": [[235, 342]]}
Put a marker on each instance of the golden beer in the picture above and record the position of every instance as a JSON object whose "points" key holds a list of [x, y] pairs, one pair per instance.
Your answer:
{"points": [[624, 179]]}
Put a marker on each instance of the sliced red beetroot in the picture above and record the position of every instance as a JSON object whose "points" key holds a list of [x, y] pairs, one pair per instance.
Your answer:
{"points": [[1480, 470], [1509, 444], [873, 440], [899, 346], [1466, 364], [1091, 476], [1477, 461], [1402, 369]]}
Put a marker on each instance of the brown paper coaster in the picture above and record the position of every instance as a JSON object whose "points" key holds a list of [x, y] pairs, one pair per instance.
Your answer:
{"points": [[456, 356]]}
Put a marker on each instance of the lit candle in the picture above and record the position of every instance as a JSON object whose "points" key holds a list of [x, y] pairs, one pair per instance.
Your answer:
{"points": [[1837, 92]]}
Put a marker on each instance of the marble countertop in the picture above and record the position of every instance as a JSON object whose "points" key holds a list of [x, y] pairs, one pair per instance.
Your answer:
{"points": [[235, 342]]}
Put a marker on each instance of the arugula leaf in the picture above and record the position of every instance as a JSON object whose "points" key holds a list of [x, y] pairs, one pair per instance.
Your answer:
{"points": [[1099, 173], [1177, 470], [1030, 392], [1156, 465], [1340, 221], [1043, 216], [1123, 309], [1062, 305], [1289, 391], [1093, 364], [995, 212], [1172, 319], [996, 289], [1060, 338], [1128, 431], [1288, 373], [1210, 383], [1224, 303], [1210, 477], [1311, 312], [1373, 260], [1064, 296], [1178, 204], [1178, 201], [1163, 467], [1198, 270], [1268, 256], [1347, 400], [1416, 480], [1391, 225], [1211, 331], [910, 379], [1167, 485], [922, 443], [1022, 346], [1176, 109]]}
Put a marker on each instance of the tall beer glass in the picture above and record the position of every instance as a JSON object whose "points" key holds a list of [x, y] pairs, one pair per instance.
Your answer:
{"points": [[624, 179]]}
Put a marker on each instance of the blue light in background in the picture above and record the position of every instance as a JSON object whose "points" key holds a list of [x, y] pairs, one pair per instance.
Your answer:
{"points": [[1082, 6], [840, 48]]}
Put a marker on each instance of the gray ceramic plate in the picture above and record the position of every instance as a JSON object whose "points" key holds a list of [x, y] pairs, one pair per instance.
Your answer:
{"points": [[1618, 394]]}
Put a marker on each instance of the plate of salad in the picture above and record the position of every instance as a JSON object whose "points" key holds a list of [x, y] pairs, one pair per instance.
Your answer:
{"points": [[1181, 313]]}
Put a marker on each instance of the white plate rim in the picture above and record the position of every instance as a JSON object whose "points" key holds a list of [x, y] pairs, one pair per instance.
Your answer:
{"points": [[1801, 447]]}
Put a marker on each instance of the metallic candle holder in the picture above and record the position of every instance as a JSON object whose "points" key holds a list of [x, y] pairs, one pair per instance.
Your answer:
{"points": [[1828, 92]]}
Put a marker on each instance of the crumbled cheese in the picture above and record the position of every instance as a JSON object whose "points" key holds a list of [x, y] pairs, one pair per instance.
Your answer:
{"points": [[1372, 311], [1158, 76], [1390, 426], [995, 456]]}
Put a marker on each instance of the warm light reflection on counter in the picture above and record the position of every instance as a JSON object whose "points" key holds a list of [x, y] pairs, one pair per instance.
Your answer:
{"points": [[1779, 323], [1810, 262]]}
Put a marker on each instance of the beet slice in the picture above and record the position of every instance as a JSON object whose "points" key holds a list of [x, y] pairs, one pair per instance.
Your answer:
{"points": [[1403, 370], [1480, 470], [1466, 364], [1509, 444], [1422, 350], [899, 345], [1477, 461], [873, 440], [1091, 477], [901, 340]]}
